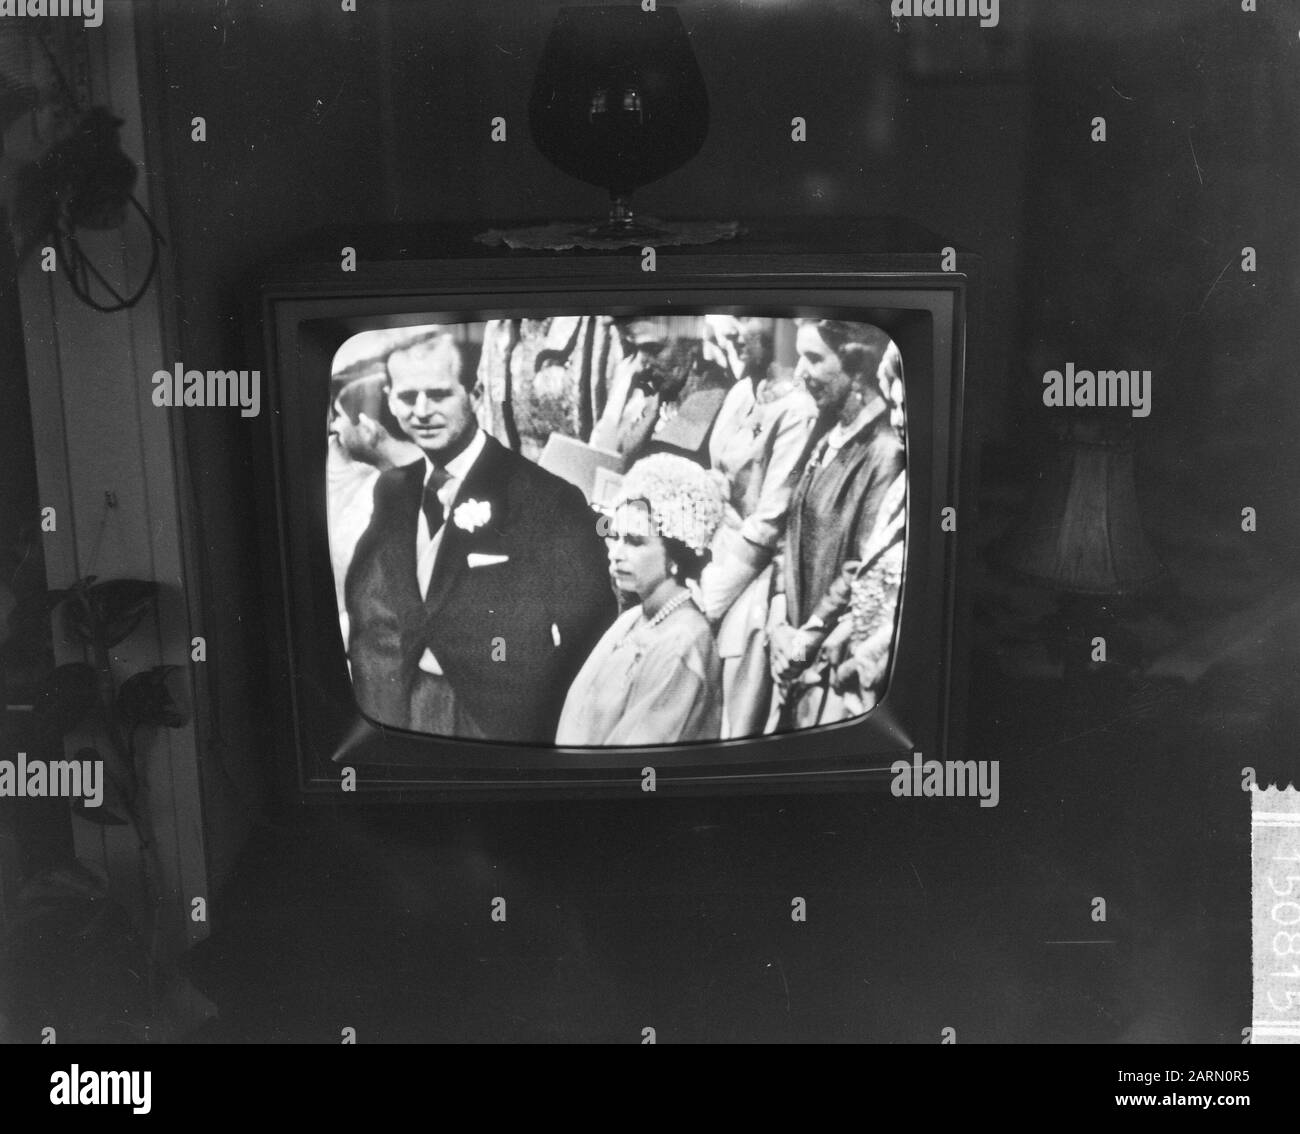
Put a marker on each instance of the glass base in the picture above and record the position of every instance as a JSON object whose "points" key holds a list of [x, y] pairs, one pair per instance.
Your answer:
{"points": [[611, 235], [627, 231]]}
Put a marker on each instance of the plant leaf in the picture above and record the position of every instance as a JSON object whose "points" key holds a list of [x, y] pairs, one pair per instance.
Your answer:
{"points": [[144, 699], [101, 816], [75, 603], [116, 609], [70, 880]]}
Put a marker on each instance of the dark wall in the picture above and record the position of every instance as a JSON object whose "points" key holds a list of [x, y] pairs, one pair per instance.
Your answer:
{"points": [[1120, 254]]}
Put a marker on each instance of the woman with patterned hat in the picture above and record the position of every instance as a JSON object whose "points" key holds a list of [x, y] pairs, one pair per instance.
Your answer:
{"points": [[655, 677]]}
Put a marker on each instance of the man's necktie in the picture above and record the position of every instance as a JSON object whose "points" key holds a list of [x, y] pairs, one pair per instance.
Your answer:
{"points": [[432, 506]]}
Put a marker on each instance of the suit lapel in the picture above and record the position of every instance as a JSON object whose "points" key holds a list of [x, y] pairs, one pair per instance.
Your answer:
{"points": [[483, 482]]}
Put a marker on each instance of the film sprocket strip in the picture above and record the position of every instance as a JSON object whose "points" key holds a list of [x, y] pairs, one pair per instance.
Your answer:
{"points": [[1275, 914]]}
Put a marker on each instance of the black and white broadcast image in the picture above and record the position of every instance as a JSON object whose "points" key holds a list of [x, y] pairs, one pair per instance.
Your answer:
{"points": [[622, 521], [748, 478]]}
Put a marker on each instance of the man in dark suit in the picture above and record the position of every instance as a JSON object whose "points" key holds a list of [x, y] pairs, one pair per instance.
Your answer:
{"points": [[481, 583]]}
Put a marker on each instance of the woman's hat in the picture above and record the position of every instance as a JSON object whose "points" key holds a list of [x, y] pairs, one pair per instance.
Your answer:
{"points": [[685, 500]]}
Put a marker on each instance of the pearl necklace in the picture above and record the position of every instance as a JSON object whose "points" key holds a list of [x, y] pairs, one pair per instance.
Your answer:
{"points": [[680, 600]]}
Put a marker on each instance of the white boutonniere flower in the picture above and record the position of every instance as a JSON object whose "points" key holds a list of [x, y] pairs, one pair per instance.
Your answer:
{"points": [[472, 515]]}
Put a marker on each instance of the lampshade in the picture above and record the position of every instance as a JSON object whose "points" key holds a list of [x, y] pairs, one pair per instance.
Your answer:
{"points": [[1083, 532]]}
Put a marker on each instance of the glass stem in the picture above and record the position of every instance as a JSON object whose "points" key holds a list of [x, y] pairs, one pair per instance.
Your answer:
{"points": [[620, 210]]}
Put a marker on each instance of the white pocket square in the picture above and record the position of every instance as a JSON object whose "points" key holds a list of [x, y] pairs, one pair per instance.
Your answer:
{"points": [[477, 559]]}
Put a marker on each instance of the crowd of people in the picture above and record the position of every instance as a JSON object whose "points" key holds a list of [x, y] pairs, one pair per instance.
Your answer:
{"points": [[743, 578]]}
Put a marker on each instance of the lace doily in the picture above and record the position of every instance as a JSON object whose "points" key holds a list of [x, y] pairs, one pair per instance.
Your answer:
{"points": [[560, 236]]}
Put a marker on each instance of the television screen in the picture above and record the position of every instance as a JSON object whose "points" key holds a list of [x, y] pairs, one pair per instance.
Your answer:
{"points": [[553, 535], [596, 531]]}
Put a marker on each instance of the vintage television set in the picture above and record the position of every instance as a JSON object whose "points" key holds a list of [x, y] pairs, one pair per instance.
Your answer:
{"points": [[318, 327]]}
